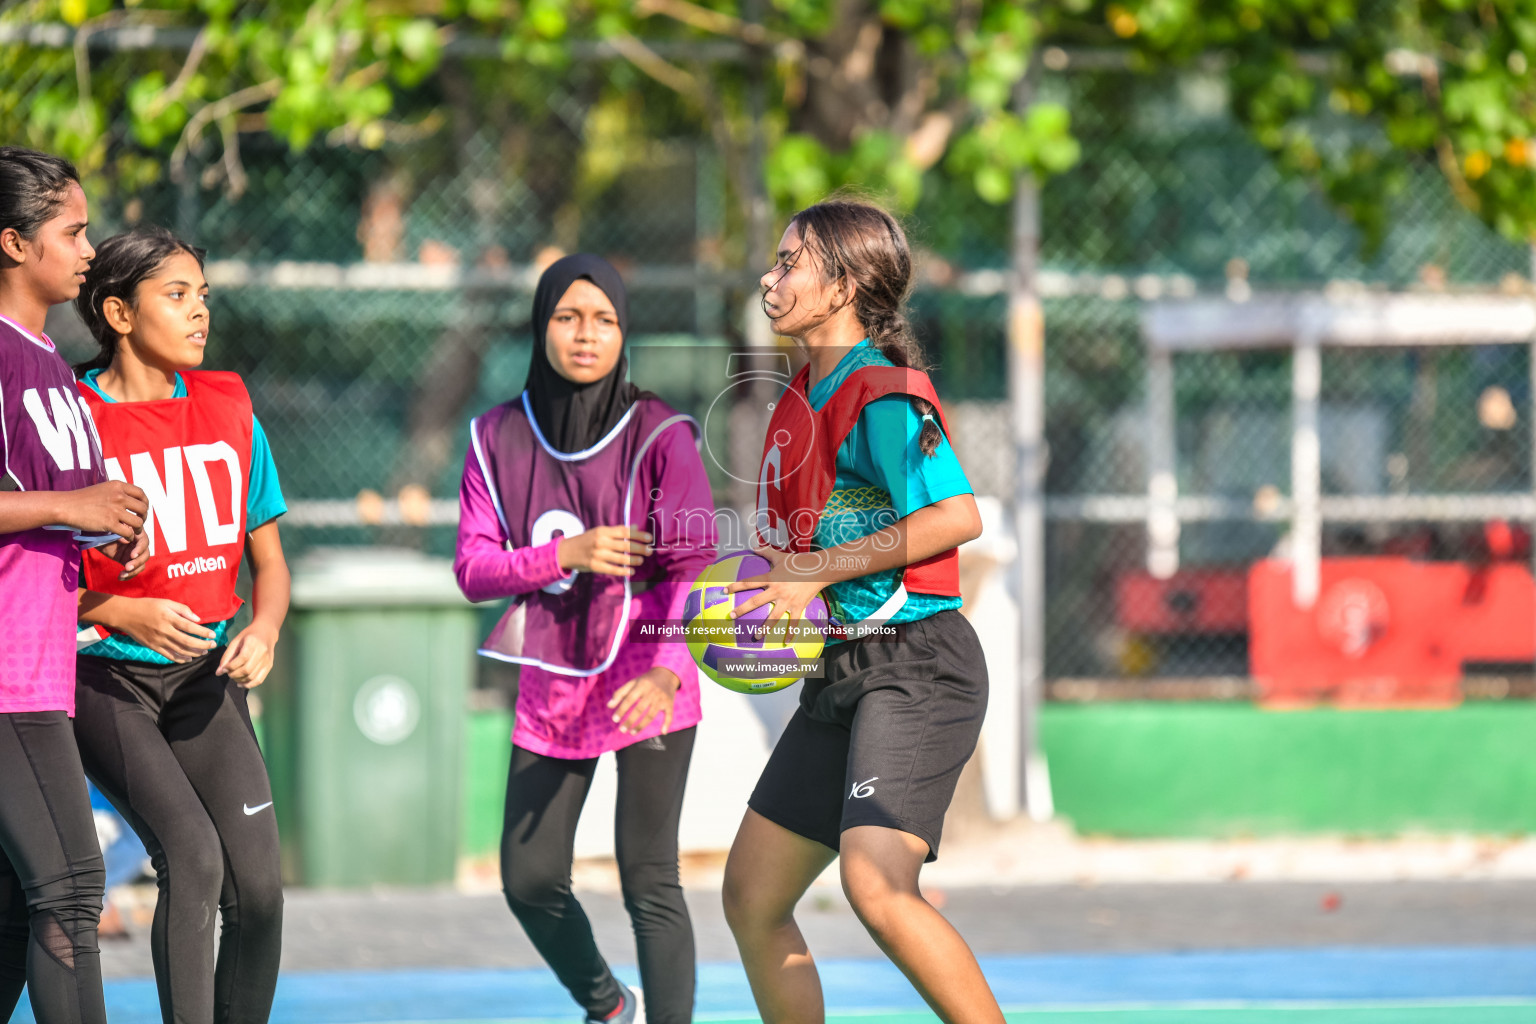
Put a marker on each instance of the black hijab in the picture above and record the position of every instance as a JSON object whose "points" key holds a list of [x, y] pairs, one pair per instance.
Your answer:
{"points": [[573, 417]]}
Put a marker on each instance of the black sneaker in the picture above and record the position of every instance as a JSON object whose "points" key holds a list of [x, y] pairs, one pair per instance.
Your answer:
{"points": [[628, 1012]]}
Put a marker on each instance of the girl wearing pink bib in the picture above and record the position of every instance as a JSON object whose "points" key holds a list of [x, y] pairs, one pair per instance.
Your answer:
{"points": [[562, 488], [53, 497]]}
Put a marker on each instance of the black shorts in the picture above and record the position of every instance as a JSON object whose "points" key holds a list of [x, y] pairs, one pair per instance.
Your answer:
{"points": [[881, 739]]}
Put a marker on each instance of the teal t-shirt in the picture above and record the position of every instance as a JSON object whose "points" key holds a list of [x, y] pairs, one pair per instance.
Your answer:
{"points": [[882, 476], [263, 503]]}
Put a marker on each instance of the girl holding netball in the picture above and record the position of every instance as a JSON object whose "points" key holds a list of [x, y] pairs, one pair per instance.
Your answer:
{"points": [[54, 496], [860, 494], [584, 499], [162, 720]]}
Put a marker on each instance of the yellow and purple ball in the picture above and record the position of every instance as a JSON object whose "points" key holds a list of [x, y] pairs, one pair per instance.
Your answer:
{"points": [[742, 654]]}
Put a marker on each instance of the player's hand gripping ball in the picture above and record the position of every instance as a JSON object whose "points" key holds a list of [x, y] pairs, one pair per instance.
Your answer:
{"points": [[743, 654]]}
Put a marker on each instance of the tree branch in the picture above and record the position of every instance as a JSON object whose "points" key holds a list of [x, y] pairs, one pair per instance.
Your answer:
{"points": [[173, 92], [365, 75], [234, 170], [1445, 152], [395, 132], [1445, 155], [347, 44], [707, 20], [648, 61], [192, 134], [725, 141], [112, 19]]}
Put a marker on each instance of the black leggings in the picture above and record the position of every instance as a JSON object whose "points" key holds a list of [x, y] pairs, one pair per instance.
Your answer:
{"points": [[51, 876], [172, 747], [538, 842]]}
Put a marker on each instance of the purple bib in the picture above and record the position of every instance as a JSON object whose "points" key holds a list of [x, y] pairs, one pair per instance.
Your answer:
{"points": [[47, 439], [574, 626]]}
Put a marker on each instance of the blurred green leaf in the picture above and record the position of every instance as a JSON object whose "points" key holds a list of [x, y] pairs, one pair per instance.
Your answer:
{"points": [[1343, 93]]}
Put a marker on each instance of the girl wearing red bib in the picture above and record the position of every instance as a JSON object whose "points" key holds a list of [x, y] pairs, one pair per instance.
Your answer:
{"points": [[162, 720], [860, 498]]}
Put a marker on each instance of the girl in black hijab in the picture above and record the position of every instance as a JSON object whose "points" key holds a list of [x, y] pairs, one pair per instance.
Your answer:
{"points": [[578, 500], [575, 416]]}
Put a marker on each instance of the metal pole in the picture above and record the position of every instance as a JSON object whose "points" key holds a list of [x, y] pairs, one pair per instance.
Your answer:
{"points": [[189, 198], [1306, 470], [709, 315], [1162, 474], [1026, 399], [749, 415], [1530, 410], [757, 331]]}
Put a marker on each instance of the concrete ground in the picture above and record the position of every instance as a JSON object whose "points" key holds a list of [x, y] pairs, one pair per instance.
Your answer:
{"points": [[1431, 930], [1016, 888], [430, 928]]}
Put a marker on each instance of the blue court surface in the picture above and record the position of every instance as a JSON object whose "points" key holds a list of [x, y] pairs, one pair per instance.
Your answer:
{"points": [[1328, 986]]}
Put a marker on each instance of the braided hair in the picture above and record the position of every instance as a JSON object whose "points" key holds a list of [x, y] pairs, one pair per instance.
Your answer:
{"points": [[866, 245]]}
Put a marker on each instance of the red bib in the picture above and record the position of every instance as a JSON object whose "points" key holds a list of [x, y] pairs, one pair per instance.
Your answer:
{"points": [[799, 465], [192, 457]]}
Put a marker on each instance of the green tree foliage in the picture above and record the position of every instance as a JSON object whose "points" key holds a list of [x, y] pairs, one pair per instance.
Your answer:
{"points": [[294, 69], [1348, 93], [875, 93], [879, 92]]}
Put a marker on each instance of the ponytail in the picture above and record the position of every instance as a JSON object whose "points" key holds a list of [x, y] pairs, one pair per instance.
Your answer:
{"points": [[892, 335]]}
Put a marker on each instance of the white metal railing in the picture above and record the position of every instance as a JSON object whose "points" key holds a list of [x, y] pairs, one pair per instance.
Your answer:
{"points": [[1305, 323], [1353, 508]]}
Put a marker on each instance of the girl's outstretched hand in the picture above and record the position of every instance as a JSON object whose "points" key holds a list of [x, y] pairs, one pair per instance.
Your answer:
{"points": [[789, 585], [248, 658], [610, 550], [640, 700]]}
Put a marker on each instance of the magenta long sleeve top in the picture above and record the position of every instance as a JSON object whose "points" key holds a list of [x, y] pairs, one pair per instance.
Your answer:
{"points": [[568, 716]]}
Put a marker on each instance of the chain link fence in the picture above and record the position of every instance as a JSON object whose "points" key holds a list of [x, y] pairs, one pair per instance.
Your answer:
{"points": [[1172, 200], [376, 300]]}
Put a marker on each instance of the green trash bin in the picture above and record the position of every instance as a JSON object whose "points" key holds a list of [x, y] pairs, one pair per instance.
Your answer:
{"points": [[364, 718]]}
